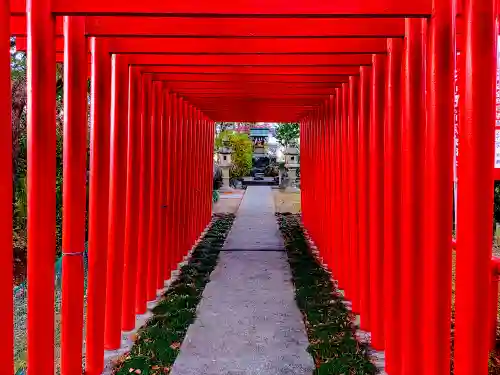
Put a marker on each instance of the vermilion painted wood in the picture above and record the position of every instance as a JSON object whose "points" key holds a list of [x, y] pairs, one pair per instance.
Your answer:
{"points": [[41, 186], [392, 207], [342, 256], [247, 70], [164, 144], [412, 193], [172, 191], [345, 190], [117, 202], [98, 206], [154, 210], [6, 257], [259, 78], [376, 202], [475, 195], [353, 189], [439, 187], [253, 46], [228, 27], [364, 220], [74, 194], [251, 59], [235, 45], [133, 198], [220, 8], [141, 291]]}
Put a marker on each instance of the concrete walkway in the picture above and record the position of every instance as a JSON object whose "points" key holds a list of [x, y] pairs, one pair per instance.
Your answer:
{"points": [[248, 322]]}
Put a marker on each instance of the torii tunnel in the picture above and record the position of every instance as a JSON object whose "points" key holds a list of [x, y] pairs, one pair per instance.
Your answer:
{"points": [[372, 84]]}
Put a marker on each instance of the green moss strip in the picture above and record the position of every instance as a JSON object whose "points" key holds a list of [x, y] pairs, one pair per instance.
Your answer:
{"points": [[158, 342], [329, 324]]}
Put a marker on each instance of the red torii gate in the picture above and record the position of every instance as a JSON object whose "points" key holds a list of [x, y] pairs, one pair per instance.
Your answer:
{"points": [[335, 123]]}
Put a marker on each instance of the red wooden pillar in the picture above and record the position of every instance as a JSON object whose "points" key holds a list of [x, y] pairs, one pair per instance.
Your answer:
{"points": [[189, 178], [154, 209], [98, 206], [344, 147], [303, 161], [475, 193], [364, 194], [338, 188], [41, 185], [392, 206], [320, 214], [165, 138], [142, 262], [6, 317], [172, 157], [178, 182], [74, 194], [376, 201], [439, 186], [117, 200], [132, 199], [333, 177], [353, 188], [412, 190]]}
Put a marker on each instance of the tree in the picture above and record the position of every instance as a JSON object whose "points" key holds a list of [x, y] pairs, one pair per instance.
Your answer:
{"points": [[287, 133], [242, 152]]}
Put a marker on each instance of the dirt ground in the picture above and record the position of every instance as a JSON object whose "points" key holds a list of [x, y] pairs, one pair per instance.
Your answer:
{"points": [[228, 202], [287, 202]]}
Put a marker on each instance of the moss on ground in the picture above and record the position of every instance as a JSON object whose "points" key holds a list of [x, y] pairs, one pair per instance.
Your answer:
{"points": [[158, 342], [331, 332]]}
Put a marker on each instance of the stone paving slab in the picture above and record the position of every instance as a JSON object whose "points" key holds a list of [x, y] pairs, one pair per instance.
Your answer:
{"points": [[248, 322]]}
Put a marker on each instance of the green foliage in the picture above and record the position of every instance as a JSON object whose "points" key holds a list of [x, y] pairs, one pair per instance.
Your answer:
{"points": [[242, 152], [158, 343], [333, 347], [287, 133]]}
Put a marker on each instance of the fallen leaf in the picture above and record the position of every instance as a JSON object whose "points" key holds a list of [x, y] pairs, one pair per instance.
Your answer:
{"points": [[175, 345], [130, 369], [137, 371]]}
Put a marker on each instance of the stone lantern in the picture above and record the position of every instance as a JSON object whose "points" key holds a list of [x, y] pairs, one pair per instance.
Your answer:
{"points": [[291, 165], [225, 163]]}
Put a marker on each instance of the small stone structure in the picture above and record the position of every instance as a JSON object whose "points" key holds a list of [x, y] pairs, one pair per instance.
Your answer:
{"points": [[291, 165], [225, 164]]}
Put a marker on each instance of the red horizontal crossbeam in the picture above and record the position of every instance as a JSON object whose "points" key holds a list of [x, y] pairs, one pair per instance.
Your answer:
{"points": [[242, 70], [261, 78], [222, 8], [298, 46], [256, 59], [228, 27]]}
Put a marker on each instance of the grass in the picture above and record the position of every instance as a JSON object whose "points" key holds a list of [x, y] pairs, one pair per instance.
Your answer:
{"points": [[329, 324], [158, 343]]}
